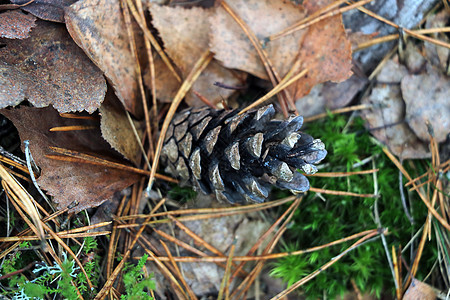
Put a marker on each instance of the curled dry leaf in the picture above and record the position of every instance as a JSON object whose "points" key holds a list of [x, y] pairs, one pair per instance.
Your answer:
{"points": [[386, 118], [99, 29], [49, 10], [69, 182], [185, 33], [427, 101], [49, 68], [14, 24], [322, 48], [117, 130]]}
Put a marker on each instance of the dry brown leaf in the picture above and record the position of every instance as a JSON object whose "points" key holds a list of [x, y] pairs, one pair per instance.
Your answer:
{"points": [[165, 82], [49, 10], [427, 100], [185, 33], [69, 182], [330, 95], [99, 29], [16, 25], [116, 128], [386, 118], [49, 68], [323, 48], [325, 51], [419, 290], [233, 48]]}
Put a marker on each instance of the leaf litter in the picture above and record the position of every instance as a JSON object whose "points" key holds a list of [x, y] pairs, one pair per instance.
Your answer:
{"points": [[98, 27], [72, 184], [398, 117], [49, 69], [185, 33]]}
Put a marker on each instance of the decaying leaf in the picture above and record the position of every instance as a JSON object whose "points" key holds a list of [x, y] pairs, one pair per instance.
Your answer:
{"points": [[386, 118], [49, 10], [322, 48], [427, 100], [99, 29], [116, 128], [49, 68], [14, 24], [185, 33], [70, 183]]}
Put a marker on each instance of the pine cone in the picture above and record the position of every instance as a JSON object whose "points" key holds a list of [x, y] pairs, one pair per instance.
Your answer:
{"points": [[239, 157]]}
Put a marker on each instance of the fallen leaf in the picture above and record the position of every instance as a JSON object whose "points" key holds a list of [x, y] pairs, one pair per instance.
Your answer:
{"points": [[166, 84], [330, 95], [98, 27], [233, 48], [69, 182], [49, 10], [427, 100], [419, 290], [116, 128], [16, 25], [322, 48], [185, 33], [325, 51], [386, 118], [49, 68]]}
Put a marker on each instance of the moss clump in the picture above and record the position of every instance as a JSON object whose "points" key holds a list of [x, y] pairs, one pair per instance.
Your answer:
{"points": [[320, 220]]}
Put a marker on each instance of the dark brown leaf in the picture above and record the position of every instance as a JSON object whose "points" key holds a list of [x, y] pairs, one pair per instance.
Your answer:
{"points": [[49, 68], [99, 29], [49, 10], [69, 182], [16, 25]]}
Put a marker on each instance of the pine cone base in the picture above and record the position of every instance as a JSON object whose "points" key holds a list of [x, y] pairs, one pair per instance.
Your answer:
{"points": [[238, 157]]}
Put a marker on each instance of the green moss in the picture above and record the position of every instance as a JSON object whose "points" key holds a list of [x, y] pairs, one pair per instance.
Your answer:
{"points": [[135, 283], [319, 221]]}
